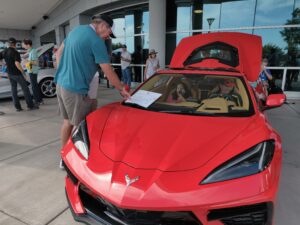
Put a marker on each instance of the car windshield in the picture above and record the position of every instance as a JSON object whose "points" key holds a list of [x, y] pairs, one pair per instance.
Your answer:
{"points": [[195, 94]]}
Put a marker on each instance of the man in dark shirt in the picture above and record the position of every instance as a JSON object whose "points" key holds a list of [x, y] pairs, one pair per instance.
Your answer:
{"points": [[16, 75]]}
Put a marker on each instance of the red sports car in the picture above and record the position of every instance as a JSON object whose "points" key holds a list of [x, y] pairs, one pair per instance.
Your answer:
{"points": [[191, 147]]}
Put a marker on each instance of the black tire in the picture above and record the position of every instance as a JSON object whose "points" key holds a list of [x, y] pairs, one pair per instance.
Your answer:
{"points": [[47, 87]]}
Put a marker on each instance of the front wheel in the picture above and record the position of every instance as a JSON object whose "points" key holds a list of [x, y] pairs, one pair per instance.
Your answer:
{"points": [[47, 87]]}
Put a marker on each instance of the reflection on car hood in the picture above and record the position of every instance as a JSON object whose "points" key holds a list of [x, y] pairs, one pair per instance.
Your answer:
{"points": [[168, 142]]}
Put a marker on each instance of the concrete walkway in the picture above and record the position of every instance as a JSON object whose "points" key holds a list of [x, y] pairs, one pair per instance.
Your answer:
{"points": [[32, 186]]}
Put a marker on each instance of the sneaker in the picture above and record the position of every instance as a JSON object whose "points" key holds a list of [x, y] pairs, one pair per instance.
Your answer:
{"points": [[61, 165], [19, 110], [41, 103]]}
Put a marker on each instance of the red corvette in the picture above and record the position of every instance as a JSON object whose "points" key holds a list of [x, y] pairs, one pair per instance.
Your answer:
{"points": [[191, 147]]}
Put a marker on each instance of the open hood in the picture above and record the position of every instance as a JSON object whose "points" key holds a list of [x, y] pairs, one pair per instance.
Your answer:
{"points": [[239, 51]]}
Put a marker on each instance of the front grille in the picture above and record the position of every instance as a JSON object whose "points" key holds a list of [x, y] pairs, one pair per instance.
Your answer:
{"points": [[259, 214], [118, 216]]}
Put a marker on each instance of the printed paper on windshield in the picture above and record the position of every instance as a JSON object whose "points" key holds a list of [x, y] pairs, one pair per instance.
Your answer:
{"points": [[143, 98]]}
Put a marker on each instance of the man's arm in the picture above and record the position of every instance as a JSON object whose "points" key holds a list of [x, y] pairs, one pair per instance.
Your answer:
{"points": [[268, 74], [18, 65], [59, 53], [114, 80]]}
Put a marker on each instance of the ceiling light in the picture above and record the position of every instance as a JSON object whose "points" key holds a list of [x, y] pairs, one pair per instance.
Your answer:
{"points": [[198, 11]]}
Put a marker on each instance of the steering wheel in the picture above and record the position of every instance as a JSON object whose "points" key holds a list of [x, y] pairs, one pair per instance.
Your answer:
{"points": [[234, 97]]}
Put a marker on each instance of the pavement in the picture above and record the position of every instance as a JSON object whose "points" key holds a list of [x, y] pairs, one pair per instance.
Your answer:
{"points": [[32, 185]]}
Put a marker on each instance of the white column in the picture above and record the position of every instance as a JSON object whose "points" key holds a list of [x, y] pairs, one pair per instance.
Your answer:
{"points": [[79, 20], [59, 35], [157, 28], [83, 19], [74, 22]]}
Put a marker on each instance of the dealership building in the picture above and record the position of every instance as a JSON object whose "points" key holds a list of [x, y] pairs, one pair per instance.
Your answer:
{"points": [[161, 24]]}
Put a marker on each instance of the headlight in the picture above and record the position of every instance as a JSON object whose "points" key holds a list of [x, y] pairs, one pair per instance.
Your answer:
{"points": [[250, 162], [80, 139]]}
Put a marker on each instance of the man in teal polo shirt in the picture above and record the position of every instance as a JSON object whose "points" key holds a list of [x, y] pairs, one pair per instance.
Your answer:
{"points": [[77, 59]]}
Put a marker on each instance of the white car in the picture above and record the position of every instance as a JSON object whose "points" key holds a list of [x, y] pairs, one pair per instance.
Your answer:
{"points": [[45, 79]]}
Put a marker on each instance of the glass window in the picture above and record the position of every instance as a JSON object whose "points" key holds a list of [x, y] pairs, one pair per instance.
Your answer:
{"points": [[211, 11], [237, 13], [129, 32], [281, 46], [297, 4], [198, 94], [292, 80], [183, 21], [120, 33], [145, 30], [273, 12], [273, 44]]}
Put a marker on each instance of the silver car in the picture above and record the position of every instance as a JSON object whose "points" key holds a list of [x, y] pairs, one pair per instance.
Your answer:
{"points": [[45, 79]]}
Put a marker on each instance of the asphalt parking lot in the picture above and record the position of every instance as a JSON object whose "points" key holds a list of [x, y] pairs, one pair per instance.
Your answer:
{"points": [[32, 185]]}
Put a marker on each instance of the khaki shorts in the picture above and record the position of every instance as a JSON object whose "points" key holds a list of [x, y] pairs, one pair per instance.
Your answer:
{"points": [[73, 106]]}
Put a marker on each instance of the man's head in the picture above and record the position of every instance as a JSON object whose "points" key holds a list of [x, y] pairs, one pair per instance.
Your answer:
{"points": [[124, 48], [229, 82], [27, 43], [104, 26], [12, 42]]}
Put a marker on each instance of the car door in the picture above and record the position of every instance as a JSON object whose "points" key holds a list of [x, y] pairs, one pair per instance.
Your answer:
{"points": [[5, 89]]}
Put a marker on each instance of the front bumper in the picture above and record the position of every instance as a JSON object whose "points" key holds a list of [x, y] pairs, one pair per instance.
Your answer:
{"points": [[245, 201], [88, 208]]}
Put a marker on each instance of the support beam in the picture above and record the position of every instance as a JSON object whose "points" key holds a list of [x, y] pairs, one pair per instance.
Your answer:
{"points": [[157, 28]]}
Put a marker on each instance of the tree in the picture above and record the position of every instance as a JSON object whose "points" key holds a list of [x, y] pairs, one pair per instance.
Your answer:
{"points": [[292, 37], [274, 54]]}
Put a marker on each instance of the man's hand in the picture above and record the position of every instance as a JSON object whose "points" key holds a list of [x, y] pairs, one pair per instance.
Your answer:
{"points": [[125, 94]]}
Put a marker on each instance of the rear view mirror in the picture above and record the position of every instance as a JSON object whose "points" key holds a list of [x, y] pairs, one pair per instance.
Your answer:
{"points": [[275, 100]]}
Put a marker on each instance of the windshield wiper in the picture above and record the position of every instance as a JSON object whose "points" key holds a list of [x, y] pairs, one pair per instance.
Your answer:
{"points": [[134, 105]]}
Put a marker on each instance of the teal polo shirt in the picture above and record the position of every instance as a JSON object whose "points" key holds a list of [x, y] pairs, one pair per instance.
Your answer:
{"points": [[83, 51], [33, 56]]}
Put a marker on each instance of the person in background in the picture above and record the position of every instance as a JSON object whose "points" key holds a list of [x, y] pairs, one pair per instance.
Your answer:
{"points": [[179, 94], [152, 64], [16, 75], [265, 75], [125, 66], [137, 59], [84, 44], [32, 66]]}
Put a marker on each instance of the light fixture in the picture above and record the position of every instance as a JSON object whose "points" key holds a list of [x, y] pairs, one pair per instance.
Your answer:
{"points": [[198, 11]]}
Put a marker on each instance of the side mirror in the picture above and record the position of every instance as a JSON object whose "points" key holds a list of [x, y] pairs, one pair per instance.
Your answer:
{"points": [[275, 100]]}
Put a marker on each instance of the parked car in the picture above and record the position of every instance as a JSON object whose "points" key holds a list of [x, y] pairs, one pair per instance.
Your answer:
{"points": [[191, 147], [45, 78]]}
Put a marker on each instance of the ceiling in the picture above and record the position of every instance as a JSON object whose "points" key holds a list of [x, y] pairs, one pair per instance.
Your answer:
{"points": [[22, 15]]}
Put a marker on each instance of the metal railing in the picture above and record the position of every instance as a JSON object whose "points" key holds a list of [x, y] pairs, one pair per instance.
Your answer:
{"points": [[285, 69]]}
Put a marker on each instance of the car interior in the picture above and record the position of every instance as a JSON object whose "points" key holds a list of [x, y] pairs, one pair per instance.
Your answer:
{"points": [[205, 93]]}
